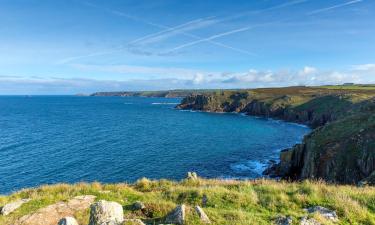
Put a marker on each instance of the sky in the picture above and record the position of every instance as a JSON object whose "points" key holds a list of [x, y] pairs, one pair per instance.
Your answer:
{"points": [[85, 46]]}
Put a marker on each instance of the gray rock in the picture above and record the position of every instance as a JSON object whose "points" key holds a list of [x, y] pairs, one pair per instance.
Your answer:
{"points": [[326, 213], [133, 222], [306, 221], [177, 216], [202, 215], [106, 213], [138, 205], [68, 221], [10, 207], [284, 220], [204, 200]]}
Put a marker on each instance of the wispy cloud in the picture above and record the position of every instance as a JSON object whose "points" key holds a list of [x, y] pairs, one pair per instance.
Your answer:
{"points": [[334, 7]]}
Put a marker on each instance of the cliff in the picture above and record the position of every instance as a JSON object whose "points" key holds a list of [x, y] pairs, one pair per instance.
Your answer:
{"points": [[160, 94], [341, 147]]}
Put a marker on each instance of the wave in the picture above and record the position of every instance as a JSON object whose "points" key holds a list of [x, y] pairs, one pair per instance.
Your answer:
{"points": [[165, 103], [254, 166]]}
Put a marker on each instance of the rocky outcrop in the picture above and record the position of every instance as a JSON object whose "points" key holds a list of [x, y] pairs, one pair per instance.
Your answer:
{"points": [[177, 216], [284, 220], [341, 147], [202, 215], [52, 214], [324, 212], [10, 207], [106, 213]]}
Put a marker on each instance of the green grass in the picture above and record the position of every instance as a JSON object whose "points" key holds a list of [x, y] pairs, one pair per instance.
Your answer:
{"points": [[229, 202]]}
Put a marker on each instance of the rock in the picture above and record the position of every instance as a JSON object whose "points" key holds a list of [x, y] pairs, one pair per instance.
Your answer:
{"points": [[204, 200], [306, 221], [10, 207], [68, 221], [177, 216], [138, 205], [284, 220], [52, 214], [133, 222], [192, 176], [202, 215], [104, 212], [326, 213]]}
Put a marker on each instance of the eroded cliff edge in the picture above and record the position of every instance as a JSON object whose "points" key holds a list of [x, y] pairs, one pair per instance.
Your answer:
{"points": [[341, 148]]}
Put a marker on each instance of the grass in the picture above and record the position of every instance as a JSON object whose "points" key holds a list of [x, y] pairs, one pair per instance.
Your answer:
{"points": [[229, 201]]}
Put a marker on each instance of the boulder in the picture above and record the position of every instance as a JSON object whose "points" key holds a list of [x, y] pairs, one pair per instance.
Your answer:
{"points": [[138, 205], [133, 222], [326, 213], [202, 215], [284, 220], [68, 221], [10, 207], [104, 212], [192, 176], [306, 221], [177, 216], [52, 214]]}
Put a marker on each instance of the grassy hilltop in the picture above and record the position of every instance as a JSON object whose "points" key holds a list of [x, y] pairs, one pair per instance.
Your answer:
{"points": [[228, 202], [341, 148]]}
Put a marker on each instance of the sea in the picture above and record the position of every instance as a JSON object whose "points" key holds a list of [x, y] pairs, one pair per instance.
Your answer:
{"points": [[67, 139]]}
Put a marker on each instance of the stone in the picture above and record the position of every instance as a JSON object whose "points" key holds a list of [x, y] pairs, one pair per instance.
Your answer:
{"points": [[133, 222], [326, 213], [204, 200], [138, 205], [202, 215], [284, 220], [177, 216], [68, 221], [306, 221], [192, 176], [105, 212], [10, 207], [52, 214]]}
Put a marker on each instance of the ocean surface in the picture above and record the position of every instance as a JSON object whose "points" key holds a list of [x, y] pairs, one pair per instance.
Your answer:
{"points": [[51, 139]]}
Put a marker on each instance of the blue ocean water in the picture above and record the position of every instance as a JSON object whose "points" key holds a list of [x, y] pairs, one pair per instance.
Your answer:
{"points": [[51, 139]]}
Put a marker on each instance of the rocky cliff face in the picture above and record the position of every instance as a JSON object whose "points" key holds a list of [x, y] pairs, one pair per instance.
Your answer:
{"points": [[341, 148]]}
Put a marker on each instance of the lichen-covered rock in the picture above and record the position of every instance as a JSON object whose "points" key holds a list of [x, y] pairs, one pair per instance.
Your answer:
{"points": [[307, 221], [177, 216], [192, 176], [284, 220], [326, 213], [202, 215], [104, 212], [10, 207], [68, 221], [138, 205], [52, 214]]}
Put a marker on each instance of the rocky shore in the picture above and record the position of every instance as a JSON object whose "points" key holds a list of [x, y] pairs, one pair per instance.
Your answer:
{"points": [[341, 147]]}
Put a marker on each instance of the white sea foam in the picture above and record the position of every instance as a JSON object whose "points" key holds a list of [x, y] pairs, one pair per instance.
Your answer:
{"points": [[249, 166], [164, 103]]}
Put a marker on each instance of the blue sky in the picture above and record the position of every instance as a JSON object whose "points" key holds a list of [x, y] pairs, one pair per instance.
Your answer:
{"points": [[71, 46]]}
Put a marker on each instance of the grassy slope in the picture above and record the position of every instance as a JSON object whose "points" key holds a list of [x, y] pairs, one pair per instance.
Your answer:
{"points": [[229, 202]]}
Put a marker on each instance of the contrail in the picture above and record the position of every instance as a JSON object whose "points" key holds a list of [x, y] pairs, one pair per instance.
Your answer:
{"points": [[252, 27], [174, 29], [334, 7]]}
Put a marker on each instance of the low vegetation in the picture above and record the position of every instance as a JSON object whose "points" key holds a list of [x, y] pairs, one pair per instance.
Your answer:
{"points": [[227, 201]]}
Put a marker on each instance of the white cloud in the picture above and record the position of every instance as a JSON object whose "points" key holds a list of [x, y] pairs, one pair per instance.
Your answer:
{"points": [[181, 78]]}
